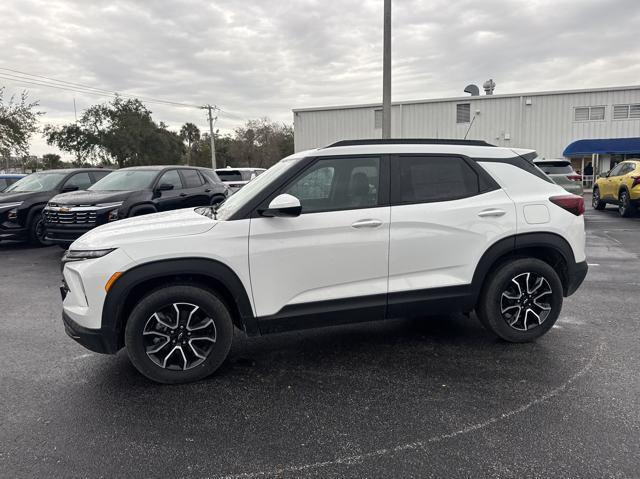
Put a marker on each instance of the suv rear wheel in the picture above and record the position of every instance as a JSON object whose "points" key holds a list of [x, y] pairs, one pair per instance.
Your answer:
{"points": [[178, 334], [625, 207], [521, 300], [596, 202]]}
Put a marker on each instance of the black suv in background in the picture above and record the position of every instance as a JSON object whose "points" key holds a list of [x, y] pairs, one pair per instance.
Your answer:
{"points": [[131, 192], [21, 204]]}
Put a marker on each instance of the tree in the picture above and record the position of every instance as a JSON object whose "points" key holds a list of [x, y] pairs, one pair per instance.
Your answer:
{"points": [[121, 131], [190, 134], [261, 143], [51, 161], [18, 122]]}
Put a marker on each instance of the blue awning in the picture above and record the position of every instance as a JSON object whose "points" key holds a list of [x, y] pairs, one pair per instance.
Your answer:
{"points": [[603, 146]]}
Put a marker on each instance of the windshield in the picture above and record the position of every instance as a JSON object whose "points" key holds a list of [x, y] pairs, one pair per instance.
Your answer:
{"points": [[37, 182], [125, 180], [254, 187]]}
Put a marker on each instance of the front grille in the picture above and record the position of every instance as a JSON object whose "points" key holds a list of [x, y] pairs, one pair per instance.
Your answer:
{"points": [[70, 217]]}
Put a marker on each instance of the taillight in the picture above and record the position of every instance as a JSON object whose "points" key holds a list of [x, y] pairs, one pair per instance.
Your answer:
{"points": [[636, 181], [572, 203], [575, 177]]}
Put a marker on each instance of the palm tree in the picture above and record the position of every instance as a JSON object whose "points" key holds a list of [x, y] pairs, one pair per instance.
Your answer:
{"points": [[190, 134]]}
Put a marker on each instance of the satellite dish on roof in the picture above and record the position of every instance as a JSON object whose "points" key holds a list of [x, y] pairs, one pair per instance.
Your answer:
{"points": [[489, 86], [472, 89]]}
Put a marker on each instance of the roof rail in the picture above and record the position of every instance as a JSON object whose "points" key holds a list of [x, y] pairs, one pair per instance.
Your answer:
{"points": [[409, 141]]}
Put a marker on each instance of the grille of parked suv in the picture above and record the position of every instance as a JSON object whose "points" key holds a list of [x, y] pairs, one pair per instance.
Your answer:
{"points": [[70, 217]]}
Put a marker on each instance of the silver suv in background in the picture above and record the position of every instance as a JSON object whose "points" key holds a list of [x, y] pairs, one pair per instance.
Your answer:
{"points": [[562, 173], [236, 178]]}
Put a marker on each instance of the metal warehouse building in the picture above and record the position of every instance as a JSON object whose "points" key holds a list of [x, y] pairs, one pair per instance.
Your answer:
{"points": [[555, 123]]}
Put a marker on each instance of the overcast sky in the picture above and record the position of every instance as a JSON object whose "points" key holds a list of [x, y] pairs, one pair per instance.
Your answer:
{"points": [[262, 58]]}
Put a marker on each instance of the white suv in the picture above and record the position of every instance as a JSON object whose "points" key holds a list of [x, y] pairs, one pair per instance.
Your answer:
{"points": [[357, 231]]}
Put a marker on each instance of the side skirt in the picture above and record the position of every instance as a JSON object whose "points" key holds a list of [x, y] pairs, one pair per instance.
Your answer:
{"points": [[407, 304]]}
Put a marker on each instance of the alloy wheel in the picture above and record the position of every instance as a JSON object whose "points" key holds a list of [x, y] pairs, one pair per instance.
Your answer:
{"points": [[526, 301], [179, 336], [596, 197], [624, 203]]}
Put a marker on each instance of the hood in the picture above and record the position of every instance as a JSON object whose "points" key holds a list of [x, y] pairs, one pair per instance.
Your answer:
{"points": [[90, 198], [140, 229], [16, 197]]}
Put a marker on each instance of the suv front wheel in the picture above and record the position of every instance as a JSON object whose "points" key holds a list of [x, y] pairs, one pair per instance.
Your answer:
{"points": [[178, 334], [521, 300]]}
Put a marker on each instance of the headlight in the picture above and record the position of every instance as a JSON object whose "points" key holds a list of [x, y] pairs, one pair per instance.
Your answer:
{"points": [[79, 255], [12, 214], [10, 206], [112, 215]]}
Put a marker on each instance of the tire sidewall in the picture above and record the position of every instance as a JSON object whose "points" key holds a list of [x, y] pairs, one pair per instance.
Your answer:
{"points": [[490, 308], [596, 201], [154, 301]]}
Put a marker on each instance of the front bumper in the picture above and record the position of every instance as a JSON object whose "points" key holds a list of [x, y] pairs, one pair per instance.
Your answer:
{"points": [[101, 340], [16, 233], [576, 274], [65, 235]]}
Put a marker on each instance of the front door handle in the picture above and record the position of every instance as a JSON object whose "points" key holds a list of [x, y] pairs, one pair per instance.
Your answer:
{"points": [[183, 195], [491, 212], [367, 224]]}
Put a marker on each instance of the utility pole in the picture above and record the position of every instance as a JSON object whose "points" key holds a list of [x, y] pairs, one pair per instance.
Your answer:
{"points": [[386, 72], [209, 109]]}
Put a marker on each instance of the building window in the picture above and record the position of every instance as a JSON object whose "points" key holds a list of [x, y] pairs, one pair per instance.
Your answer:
{"points": [[463, 112], [377, 118], [589, 113], [626, 112]]}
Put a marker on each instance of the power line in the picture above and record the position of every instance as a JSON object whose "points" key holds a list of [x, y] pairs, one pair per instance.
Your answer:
{"points": [[31, 79]]}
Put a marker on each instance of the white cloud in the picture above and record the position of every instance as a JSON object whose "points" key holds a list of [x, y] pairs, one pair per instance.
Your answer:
{"points": [[257, 58]]}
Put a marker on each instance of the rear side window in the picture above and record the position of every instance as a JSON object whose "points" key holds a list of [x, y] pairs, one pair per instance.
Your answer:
{"points": [[191, 178], [428, 179], [98, 175]]}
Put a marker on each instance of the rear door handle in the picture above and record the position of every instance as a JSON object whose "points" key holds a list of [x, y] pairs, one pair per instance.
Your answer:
{"points": [[491, 212], [367, 224]]}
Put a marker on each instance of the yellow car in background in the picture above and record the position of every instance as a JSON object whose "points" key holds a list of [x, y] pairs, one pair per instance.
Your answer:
{"points": [[620, 186]]}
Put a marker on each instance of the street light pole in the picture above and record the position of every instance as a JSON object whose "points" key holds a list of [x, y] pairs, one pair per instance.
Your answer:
{"points": [[209, 109], [386, 72]]}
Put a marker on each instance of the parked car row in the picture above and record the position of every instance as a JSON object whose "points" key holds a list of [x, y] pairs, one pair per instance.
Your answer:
{"points": [[59, 206]]}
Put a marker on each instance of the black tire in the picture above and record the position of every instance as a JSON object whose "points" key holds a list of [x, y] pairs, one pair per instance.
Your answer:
{"points": [[596, 202], [37, 231], [145, 318], [625, 207], [496, 312]]}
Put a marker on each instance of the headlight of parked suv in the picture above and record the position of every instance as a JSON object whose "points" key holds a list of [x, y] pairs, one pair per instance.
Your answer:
{"points": [[11, 209], [81, 255]]}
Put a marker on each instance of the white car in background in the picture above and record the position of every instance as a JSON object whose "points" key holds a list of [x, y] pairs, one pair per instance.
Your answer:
{"points": [[236, 178]]}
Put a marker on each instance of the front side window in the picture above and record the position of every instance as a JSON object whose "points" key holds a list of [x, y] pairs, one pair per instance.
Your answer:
{"points": [[338, 184], [81, 181], [429, 179], [172, 178], [616, 170]]}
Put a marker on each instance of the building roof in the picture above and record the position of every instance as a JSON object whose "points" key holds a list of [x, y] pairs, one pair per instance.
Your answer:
{"points": [[603, 146], [469, 98]]}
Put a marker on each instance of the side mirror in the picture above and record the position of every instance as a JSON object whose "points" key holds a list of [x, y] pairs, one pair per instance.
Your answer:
{"points": [[283, 205], [69, 188], [164, 187]]}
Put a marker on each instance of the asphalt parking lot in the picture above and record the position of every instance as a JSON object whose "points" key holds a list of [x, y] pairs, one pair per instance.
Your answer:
{"points": [[437, 397]]}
